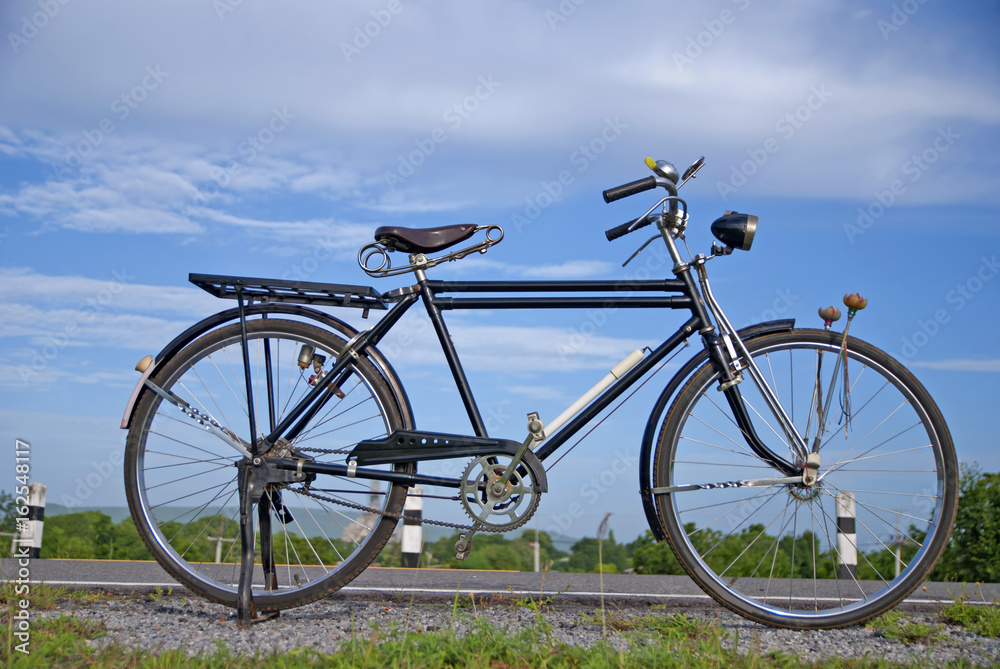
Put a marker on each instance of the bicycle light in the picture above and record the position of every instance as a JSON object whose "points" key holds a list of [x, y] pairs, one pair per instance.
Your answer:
{"points": [[735, 229]]}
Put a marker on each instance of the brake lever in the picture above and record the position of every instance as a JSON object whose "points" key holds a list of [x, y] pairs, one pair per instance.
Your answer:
{"points": [[640, 249]]}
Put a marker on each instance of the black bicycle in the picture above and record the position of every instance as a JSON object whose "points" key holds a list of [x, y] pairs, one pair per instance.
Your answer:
{"points": [[271, 446]]}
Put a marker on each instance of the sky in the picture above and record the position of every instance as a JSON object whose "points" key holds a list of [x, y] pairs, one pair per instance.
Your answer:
{"points": [[143, 141]]}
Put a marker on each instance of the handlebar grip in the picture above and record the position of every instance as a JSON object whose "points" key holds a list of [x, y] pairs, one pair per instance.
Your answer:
{"points": [[623, 229], [618, 192]]}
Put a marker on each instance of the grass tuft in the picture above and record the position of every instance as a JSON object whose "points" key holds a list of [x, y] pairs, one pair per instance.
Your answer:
{"points": [[980, 619], [894, 625]]}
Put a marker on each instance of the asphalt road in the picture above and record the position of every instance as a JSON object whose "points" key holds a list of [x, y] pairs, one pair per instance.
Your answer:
{"points": [[442, 584]]}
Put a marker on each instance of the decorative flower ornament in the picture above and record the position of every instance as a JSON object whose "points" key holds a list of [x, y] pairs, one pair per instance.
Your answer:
{"points": [[829, 315], [854, 302]]}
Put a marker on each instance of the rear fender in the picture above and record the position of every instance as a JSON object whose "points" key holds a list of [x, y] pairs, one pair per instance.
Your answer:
{"points": [[230, 315]]}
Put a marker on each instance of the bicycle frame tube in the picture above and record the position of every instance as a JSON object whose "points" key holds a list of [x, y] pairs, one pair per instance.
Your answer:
{"points": [[617, 294]]}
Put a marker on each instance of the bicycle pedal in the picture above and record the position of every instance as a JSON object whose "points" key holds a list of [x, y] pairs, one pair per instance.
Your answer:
{"points": [[462, 548]]}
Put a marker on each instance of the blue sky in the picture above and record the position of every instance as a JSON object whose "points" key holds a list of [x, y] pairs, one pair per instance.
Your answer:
{"points": [[140, 142]]}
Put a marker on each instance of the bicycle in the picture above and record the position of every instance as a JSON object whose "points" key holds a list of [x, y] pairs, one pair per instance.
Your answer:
{"points": [[742, 480]]}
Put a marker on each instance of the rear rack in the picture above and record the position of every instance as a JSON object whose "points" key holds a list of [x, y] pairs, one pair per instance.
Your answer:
{"points": [[296, 292]]}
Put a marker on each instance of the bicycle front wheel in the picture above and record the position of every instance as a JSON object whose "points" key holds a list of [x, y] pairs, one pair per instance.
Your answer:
{"points": [[181, 480], [827, 555]]}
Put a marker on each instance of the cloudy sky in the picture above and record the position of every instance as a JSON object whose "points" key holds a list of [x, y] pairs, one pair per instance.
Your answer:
{"points": [[143, 141]]}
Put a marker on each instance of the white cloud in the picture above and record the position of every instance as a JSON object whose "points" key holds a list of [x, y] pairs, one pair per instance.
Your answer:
{"points": [[399, 89], [507, 348], [116, 291], [571, 269]]}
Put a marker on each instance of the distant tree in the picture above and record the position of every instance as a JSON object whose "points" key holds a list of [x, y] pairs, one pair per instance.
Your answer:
{"points": [[8, 512], [584, 555], [750, 552], [494, 551], [650, 556], [974, 547]]}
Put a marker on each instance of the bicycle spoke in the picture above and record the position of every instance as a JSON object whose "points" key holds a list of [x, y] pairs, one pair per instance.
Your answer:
{"points": [[741, 540]]}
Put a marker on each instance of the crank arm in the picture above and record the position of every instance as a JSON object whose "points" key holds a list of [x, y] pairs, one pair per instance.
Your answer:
{"points": [[746, 483], [205, 420]]}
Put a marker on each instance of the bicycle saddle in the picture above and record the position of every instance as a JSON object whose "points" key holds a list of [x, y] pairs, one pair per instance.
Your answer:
{"points": [[422, 240]]}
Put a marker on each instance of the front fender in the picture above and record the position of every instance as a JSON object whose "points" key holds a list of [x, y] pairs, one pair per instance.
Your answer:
{"points": [[649, 436], [224, 317]]}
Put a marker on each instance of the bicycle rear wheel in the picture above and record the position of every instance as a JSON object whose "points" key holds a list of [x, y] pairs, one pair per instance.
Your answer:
{"points": [[181, 480], [773, 552]]}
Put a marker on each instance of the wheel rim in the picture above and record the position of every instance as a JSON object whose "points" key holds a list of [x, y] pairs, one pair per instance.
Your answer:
{"points": [[742, 546], [185, 478]]}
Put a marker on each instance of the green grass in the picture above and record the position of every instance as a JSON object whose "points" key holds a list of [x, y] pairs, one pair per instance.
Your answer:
{"points": [[43, 597], [680, 642], [894, 625], [983, 620], [657, 639]]}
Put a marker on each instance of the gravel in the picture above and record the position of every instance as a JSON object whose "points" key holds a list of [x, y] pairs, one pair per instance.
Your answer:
{"points": [[178, 621]]}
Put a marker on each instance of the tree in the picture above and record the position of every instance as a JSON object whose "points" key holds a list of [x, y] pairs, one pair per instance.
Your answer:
{"points": [[584, 555], [494, 551], [971, 555], [652, 557], [8, 512]]}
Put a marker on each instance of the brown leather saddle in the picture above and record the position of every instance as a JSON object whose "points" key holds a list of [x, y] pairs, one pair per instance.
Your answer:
{"points": [[423, 240]]}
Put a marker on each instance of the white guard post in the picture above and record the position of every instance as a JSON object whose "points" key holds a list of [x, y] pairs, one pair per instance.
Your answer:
{"points": [[847, 538], [30, 529], [412, 541]]}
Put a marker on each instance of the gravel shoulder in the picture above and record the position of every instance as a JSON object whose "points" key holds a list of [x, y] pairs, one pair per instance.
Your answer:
{"points": [[173, 621]]}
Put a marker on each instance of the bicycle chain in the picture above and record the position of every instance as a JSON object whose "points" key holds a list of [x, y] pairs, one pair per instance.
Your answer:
{"points": [[362, 507]]}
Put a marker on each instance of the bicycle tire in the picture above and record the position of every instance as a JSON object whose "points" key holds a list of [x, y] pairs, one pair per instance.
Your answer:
{"points": [[739, 543], [181, 481]]}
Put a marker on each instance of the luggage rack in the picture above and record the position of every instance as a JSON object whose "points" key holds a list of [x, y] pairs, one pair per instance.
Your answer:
{"points": [[297, 292]]}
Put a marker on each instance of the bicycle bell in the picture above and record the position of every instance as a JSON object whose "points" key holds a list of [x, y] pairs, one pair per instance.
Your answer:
{"points": [[663, 169]]}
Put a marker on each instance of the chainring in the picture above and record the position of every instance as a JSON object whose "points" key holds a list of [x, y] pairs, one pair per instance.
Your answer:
{"points": [[496, 507]]}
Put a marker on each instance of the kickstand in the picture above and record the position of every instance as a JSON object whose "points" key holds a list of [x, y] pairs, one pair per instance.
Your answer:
{"points": [[245, 611]]}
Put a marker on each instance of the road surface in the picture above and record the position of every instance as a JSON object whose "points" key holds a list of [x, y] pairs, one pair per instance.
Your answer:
{"points": [[443, 584]]}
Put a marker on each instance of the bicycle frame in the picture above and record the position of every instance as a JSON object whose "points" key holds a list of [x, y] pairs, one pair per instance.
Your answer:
{"points": [[680, 293]]}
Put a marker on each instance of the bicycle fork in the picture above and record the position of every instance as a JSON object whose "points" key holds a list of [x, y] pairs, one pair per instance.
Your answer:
{"points": [[727, 359]]}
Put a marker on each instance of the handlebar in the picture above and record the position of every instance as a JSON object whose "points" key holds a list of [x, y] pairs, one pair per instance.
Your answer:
{"points": [[627, 227], [618, 192], [666, 177]]}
